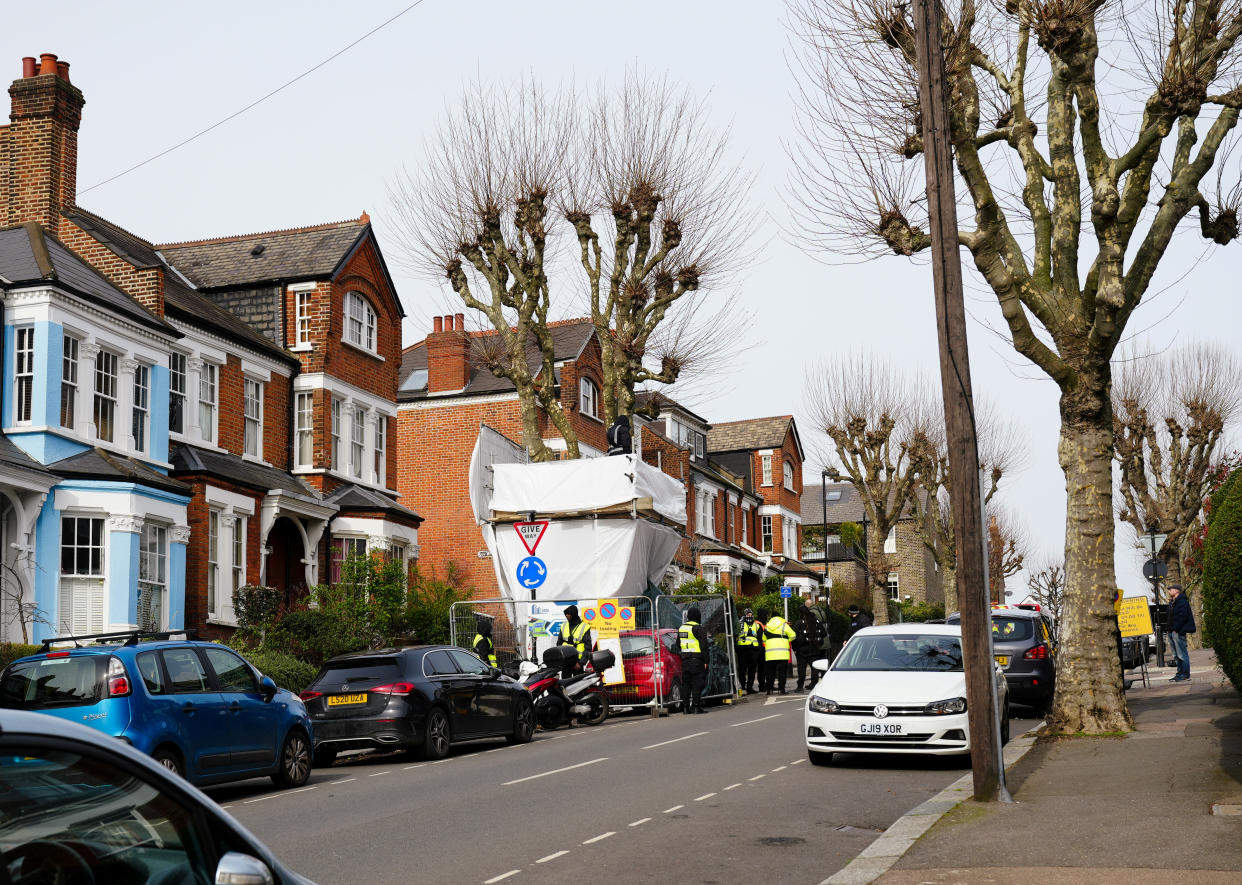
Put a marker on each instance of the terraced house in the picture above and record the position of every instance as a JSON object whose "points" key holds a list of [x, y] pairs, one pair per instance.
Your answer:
{"points": [[183, 419]]}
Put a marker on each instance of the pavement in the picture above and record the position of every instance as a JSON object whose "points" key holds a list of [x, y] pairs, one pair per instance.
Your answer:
{"points": [[1163, 802]]}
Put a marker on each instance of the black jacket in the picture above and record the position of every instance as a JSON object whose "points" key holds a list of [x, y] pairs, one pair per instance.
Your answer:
{"points": [[1181, 619], [810, 636], [860, 620]]}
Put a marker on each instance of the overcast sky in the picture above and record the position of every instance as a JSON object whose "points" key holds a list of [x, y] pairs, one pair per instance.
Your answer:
{"points": [[325, 148]]}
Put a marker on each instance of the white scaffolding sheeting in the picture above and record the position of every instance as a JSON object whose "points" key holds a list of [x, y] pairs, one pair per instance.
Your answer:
{"points": [[587, 485]]}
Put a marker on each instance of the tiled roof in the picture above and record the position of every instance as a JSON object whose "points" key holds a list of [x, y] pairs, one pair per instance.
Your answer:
{"points": [[180, 300], [300, 253], [845, 507], [29, 256], [12, 455], [661, 402], [754, 433], [354, 497], [568, 339], [261, 478], [97, 463]]}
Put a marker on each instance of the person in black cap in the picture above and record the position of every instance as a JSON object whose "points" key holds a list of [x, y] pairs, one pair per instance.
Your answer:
{"points": [[748, 650], [576, 633], [692, 642], [858, 620]]}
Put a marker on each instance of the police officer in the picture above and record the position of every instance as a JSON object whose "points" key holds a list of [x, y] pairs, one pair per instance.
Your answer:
{"points": [[692, 642], [777, 638], [748, 632], [483, 645], [807, 646], [574, 632], [858, 620]]}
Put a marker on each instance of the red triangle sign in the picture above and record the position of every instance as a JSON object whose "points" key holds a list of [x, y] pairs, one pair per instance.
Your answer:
{"points": [[531, 533]]}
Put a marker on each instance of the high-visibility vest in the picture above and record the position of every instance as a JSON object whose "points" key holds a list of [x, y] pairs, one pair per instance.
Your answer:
{"points": [[778, 634], [748, 634], [488, 653], [689, 642], [576, 637]]}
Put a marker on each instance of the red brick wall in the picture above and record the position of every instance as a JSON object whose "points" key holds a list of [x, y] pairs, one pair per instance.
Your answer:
{"points": [[42, 149], [145, 285], [196, 555], [276, 394]]}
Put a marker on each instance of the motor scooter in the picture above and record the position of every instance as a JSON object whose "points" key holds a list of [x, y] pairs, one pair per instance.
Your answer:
{"points": [[580, 697]]}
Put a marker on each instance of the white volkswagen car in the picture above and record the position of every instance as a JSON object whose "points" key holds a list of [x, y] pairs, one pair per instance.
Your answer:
{"points": [[895, 689]]}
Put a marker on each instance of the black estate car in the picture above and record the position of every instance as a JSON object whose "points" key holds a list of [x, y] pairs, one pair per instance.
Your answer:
{"points": [[1024, 646], [419, 699]]}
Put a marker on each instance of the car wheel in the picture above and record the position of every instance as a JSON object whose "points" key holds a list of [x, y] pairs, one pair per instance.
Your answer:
{"points": [[324, 756], [170, 760], [294, 765], [523, 722], [819, 758], [436, 735], [673, 701], [1005, 724]]}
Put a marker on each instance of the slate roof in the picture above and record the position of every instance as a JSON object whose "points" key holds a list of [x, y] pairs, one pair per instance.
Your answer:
{"points": [[754, 433], [661, 402], [847, 507], [180, 300], [300, 253], [12, 455], [354, 497], [192, 459], [568, 340], [97, 463], [28, 255]]}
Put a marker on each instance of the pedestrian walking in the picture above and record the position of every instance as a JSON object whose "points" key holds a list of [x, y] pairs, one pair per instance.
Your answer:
{"points": [[778, 641], [483, 645], [1181, 624], [692, 643], [748, 651], [858, 620], [810, 636]]}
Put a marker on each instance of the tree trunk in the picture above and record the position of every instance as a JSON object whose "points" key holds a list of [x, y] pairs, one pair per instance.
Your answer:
{"points": [[879, 578], [1089, 697], [948, 580]]}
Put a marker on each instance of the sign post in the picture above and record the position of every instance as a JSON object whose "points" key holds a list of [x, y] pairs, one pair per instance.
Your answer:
{"points": [[786, 593]]}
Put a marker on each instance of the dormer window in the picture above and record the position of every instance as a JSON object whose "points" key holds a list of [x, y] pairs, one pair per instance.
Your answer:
{"points": [[359, 322], [588, 398]]}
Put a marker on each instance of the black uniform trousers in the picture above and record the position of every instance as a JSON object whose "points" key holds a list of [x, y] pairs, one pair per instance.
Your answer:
{"points": [[694, 672], [804, 666], [748, 666], [777, 674]]}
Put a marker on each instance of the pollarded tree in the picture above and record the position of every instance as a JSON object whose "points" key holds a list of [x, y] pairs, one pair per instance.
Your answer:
{"points": [[1170, 413], [636, 177], [1045, 581], [1045, 151], [1008, 545]]}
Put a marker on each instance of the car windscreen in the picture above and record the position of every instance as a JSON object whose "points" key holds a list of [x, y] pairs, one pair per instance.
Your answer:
{"points": [[45, 683], [1012, 629], [908, 651], [635, 646], [360, 670]]}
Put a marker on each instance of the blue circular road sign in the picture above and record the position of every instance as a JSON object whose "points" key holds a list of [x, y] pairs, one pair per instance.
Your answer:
{"points": [[531, 572]]}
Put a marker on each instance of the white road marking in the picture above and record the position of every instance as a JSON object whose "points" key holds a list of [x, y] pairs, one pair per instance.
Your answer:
{"points": [[554, 771], [732, 787], [274, 795], [378, 773], [704, 796], [419, 765], [437, 762], [500, 877], [675, 740], [640, 822], [552, 857], [753, 721], [226, 806], [756, 777], [797, 762], [557, 738], [781, 768], [342, 781], [600, 838], [671, 810]]}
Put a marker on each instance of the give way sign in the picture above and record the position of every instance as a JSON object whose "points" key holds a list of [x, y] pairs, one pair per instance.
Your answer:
{"points": [[531, 534]]}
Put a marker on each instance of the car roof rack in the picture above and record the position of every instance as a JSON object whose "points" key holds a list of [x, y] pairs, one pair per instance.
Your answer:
{"points": [[130, 637]]}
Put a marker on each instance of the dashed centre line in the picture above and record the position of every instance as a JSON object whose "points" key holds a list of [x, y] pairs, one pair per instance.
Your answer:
{"points": [[554, 771], [704, 796], [380, 773], [675, 740], [797, 762], [552, 856], [342, 781], [600, 838], [640, 822], [756, 777], [274, 795], [753, 721], [732, 787], [781, 768], [671, 810], [419, 765], [501, 877]]}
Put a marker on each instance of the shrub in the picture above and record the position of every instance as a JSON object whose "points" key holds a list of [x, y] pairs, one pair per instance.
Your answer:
{"points": [[426, 617], [920, 611], [285, 670], [1222, 579], [257, 608], [11, 651], [316, 634]]}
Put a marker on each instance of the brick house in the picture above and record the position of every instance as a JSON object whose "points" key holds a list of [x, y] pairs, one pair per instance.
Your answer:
{"points": [[912, 568], [446, 394], [265, 388]]}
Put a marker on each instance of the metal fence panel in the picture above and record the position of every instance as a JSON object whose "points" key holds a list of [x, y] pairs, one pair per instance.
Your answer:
{"points": [[716, 612]]}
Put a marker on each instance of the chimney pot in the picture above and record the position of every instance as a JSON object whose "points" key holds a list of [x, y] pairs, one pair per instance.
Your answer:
{"points": [[461, 322], [62, 70], [47, 64], [448, 322], [437, 324], [29, 66]]}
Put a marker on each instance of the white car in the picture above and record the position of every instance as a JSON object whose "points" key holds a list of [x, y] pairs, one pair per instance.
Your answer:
{"points": [[895, 689]]}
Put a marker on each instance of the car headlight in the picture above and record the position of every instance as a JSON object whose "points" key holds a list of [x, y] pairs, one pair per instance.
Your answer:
{"points": [[944, 708], [822, 705]]}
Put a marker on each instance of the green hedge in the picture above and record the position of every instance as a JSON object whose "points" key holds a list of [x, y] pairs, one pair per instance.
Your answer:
{"points": [[1222, 579], [284, 669], [11, 651]]}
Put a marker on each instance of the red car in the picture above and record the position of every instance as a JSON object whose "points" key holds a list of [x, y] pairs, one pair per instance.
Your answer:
{"points": [[646, 668]]}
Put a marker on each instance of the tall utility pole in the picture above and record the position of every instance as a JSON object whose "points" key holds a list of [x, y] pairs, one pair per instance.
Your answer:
{"points": [[972, 589]]}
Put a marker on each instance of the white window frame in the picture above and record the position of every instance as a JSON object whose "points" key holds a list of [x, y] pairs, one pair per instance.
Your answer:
{"points": [[238, 552], [890, 541], [107, 380], [302, 317], [336, 433], [746, 527], [893, 585], [766, 539], [213, 561], [357, 440], [380, 452], [789, 474], [90, 572], [82, 591], [141, 422], [359, 324], [252, 417], [588, 398], [178, 384], [23, 374], [208, 400], [304, 448], [766, 466], [349, 546], [153, 569], [69, 382], [711, 574]]}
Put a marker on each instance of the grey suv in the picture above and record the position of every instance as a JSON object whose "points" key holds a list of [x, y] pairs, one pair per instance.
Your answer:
{"points": [[1025, 647]]}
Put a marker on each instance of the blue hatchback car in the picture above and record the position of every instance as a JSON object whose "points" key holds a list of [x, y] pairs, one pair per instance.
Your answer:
{"points": [[197, 708]]}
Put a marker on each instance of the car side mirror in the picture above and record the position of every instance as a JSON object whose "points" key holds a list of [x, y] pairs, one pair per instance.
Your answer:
{"points": [[267, 687], [819, 666], [242, 869]]}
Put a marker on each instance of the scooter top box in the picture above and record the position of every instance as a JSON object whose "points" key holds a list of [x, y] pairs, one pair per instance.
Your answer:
{"points": [[559, 655], [602, 659]]}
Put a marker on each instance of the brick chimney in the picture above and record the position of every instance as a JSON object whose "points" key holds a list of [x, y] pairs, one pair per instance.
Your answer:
{"points": [[39, 148], [448, 355]]}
